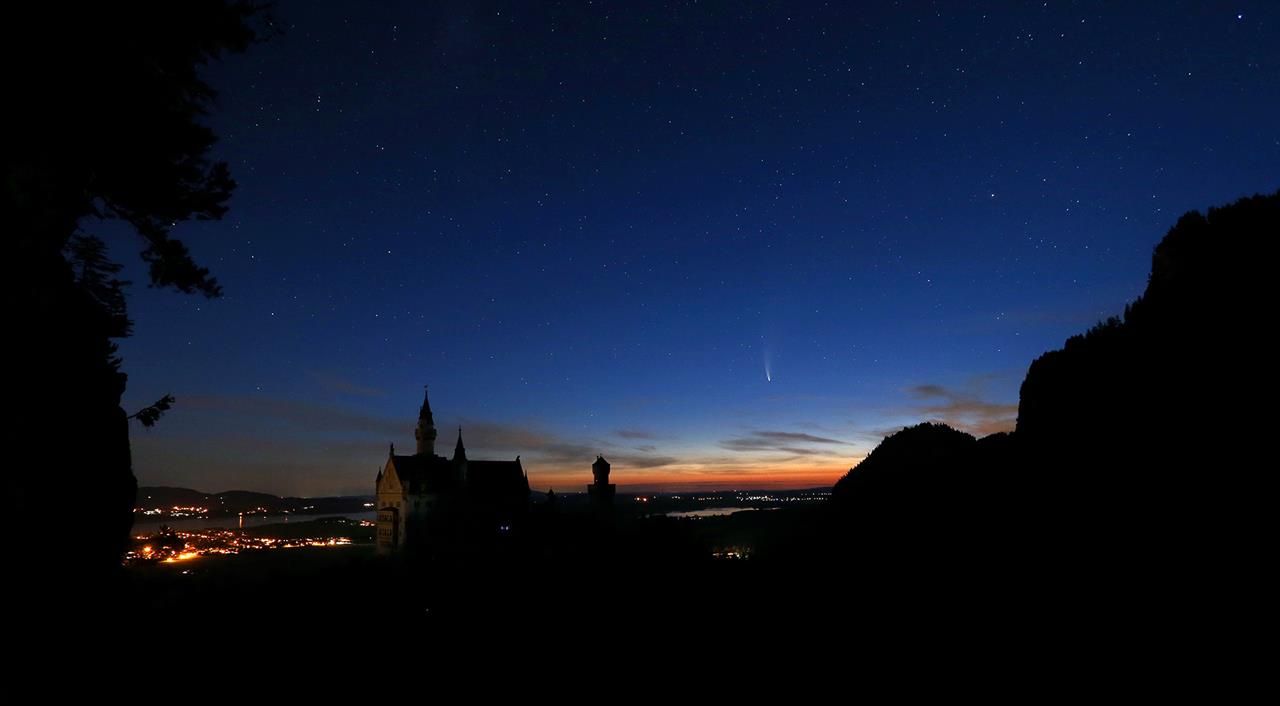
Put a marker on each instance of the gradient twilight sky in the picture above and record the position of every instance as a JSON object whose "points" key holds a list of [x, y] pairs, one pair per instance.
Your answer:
{"points": [[602, 227]]}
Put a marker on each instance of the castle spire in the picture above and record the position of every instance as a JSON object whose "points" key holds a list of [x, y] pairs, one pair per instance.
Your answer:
{"points": [[426, 431], [425, 411], [459, 451]]}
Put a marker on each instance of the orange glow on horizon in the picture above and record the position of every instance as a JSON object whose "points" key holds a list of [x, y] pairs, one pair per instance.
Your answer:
{"points": [[696, 476]]}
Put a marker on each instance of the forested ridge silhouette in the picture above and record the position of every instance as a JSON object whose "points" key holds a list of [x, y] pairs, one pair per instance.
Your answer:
{"points": [[1134, 448]]}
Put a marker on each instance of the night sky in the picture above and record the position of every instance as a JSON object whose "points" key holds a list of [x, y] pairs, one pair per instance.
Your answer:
{"points": [[724, 244]]}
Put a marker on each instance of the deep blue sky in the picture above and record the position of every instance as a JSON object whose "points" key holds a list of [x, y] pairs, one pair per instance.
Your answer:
{"points": [[594, 227]]}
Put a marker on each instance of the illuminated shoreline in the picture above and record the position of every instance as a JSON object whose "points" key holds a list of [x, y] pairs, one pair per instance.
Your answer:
{"points": [[183, 546]]}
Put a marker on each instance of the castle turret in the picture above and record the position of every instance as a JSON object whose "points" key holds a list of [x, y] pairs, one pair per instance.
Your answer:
{"points": [[601, 491], [459, 451], [600, 470], [426, 431]]}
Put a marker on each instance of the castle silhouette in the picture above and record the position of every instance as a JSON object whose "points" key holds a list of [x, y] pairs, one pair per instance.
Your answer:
{"points": [[424, 496]]}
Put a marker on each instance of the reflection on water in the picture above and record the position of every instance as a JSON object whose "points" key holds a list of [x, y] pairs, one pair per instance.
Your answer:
{"points": [[142, 525], [709, 512]]}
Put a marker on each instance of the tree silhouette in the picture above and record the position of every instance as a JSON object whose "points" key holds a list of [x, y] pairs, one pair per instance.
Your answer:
{"points": [[105, 124]]}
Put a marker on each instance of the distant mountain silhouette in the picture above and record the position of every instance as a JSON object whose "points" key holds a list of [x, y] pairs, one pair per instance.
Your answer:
{"points": [[1133, 447], [164, 496], [236, 501]]}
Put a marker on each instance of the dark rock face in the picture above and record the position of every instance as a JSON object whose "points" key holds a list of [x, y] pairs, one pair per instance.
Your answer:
{"points": [[1185, 345], [1135, 446], [1145, 417], [72, 481]]}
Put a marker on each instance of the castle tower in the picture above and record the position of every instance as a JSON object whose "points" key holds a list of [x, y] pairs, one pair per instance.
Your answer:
{"points": [[600, 470], [426, 431], [601, 491]]}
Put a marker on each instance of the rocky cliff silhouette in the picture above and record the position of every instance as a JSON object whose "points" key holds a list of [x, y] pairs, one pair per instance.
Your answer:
{"points": [[1133, 445], [1144, 421]]}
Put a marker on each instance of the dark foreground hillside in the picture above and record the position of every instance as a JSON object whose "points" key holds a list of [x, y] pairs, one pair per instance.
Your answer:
{"points": [[637, 584]]}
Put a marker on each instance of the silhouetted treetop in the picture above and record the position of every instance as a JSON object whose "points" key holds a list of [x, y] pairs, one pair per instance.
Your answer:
{"points": [[105, 120], [111, 124]]}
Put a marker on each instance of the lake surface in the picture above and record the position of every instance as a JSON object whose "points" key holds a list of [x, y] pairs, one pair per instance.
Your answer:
{"points": [[142, 525], [709, 512]]}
